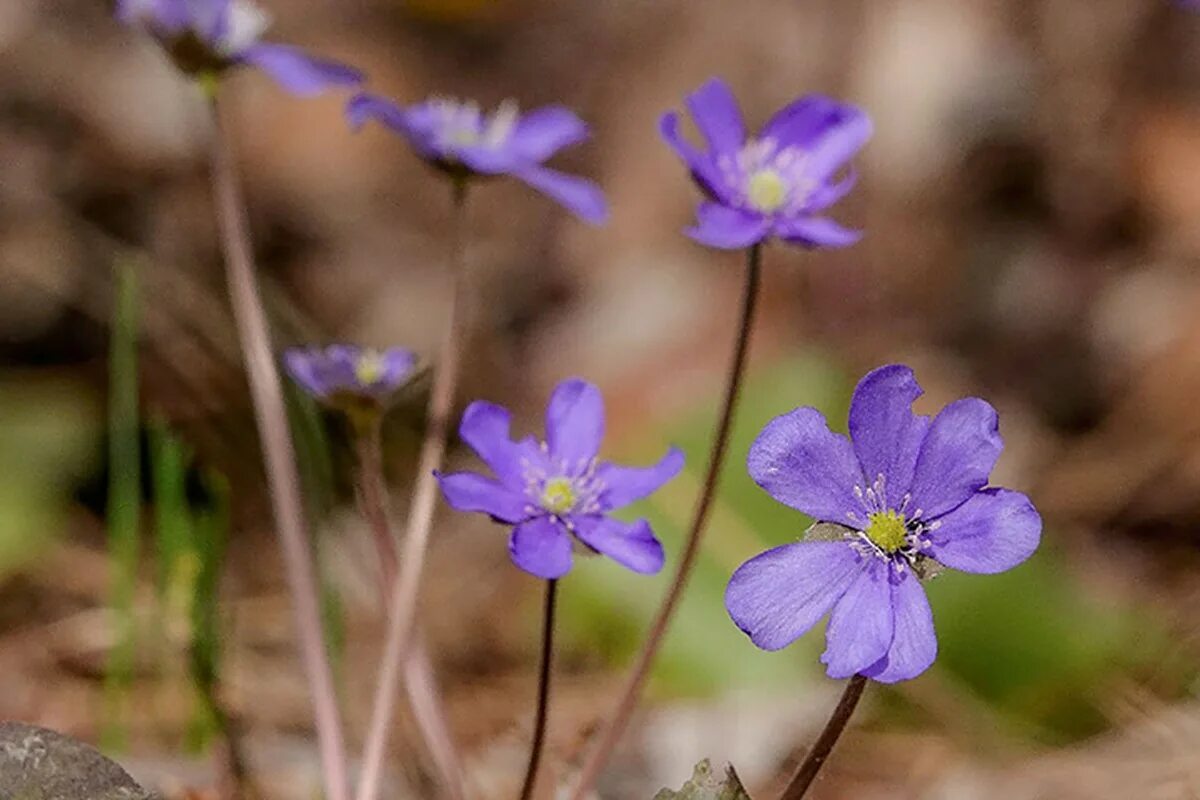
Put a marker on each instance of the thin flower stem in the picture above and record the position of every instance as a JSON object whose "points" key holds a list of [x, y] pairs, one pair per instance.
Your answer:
{"points": [[641, 670], [279, 458], [543, 700], [422, 690], [820, 751], [407, 586]]}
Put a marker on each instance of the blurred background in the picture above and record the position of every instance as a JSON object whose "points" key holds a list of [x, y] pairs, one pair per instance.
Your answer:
{"points": [[1030, 203]]}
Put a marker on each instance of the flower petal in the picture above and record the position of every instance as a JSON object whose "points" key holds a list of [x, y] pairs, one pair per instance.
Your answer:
{"points": [[542, 132], [485, 429], [624, 485], [575, 423], [914, 643], [398, 364], [815, 232], [803, 122], [630, 544], [993, 531], [578, 195], [301, 364], [716, 113], [778, 595], [541, 547], [957, 456], [887, 436], [298, 72], [468, 491], [802, 464], [861, 626], [830, 152], [704, 171], [827, 194], [728, 228], [364, 107]]}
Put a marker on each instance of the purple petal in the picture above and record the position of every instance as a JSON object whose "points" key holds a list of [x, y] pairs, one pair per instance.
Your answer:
{"points": [[467, 491], [815, 232], [630, 544], [544, 131], [541, 547], [860, 628], [301, 365], [575, 423], [212, 19], [827, 194], [624, 485], [802, 464], [398, 364], [914, 644], [830, 152], [581, 197], [887, 436], [298, 72], [716, 113], [778, 595], [485, 159], [959, 452], [364, 107], [704, 171], [485, 429], [728, 228], [803, 122], [994, 531]]}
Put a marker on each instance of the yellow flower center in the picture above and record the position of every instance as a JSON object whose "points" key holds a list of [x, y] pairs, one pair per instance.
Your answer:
{"points": [[558, 496], [887, 530], [369, 368], [767, 191]]}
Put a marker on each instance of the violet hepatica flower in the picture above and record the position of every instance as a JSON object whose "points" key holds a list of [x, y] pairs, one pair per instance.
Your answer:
{"points": [[558, 493], [207, 37], [460, 139], [901, 494], [776, 184], [349, 377]]}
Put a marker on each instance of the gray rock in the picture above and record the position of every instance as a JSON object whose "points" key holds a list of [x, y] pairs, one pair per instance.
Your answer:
{"points": [[39, 764]]}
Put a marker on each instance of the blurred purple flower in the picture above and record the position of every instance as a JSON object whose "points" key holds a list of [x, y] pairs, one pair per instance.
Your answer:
{"points": [[206, 37], [350, 377], [901, 494], [777, 183], [463, 141], [555, 491]]}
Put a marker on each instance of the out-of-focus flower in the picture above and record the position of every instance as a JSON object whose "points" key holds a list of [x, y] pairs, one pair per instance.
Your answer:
{"points": [[353, 379], [206, 37], [776, 184], [463, 141], [901, 494], [558, 492]]}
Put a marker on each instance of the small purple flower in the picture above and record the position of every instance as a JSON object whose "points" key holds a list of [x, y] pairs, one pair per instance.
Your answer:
{"points": [[903, 493], [556, 492], [350, 377], [458, 138], [206, 37], [777, 183]]}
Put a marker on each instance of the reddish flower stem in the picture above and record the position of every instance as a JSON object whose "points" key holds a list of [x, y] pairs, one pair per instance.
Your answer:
{"points": [[820, 751], [407, 586], [278, 456], [543, 700], [691, 549]]}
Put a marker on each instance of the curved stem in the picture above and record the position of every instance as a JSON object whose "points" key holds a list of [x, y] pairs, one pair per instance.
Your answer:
{"points": [[641, 670], [543, 700], [423, 698], [279, 458], [820, 751], [407, 585]]}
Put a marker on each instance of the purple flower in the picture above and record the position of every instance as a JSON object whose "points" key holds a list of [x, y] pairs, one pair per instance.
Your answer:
{"points": [[776, 184], [901, 494], [350, 377], [558, 492], [206, 37], [463, 141]]}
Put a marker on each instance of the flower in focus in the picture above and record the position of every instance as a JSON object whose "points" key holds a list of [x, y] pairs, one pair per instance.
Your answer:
{"points": [[557, 492], [206, 37], [460, 139], [901, 494], [351, 378], [776, 184]]}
